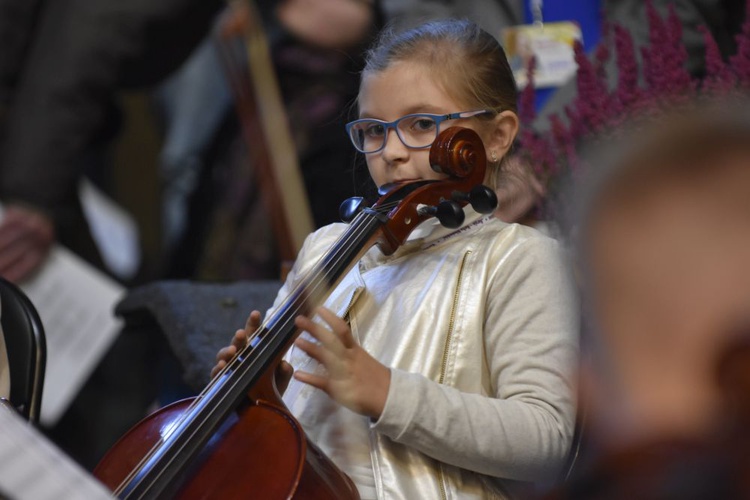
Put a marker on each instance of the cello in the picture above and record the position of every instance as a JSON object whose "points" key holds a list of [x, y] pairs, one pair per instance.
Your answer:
{"points": [[236, 438]]}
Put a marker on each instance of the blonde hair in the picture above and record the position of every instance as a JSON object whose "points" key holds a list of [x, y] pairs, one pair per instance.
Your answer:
{"points": [[466, 61]]}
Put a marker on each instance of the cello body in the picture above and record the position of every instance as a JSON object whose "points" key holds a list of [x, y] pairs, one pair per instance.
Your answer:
{"points": [[260, 451]]}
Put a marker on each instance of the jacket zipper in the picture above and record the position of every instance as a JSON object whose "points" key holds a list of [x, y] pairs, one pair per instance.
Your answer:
{"points": [[441, 477], [448, 338], [444, 365]]}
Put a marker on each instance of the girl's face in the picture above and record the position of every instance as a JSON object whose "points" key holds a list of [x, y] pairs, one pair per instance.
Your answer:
{"points": [[405, 88]]}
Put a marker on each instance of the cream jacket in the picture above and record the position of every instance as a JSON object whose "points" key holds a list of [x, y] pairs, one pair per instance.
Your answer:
{"points": [[479, 329]]}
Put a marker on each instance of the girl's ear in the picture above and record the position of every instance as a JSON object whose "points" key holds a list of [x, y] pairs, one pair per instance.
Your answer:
{"points": [[505, 128]]}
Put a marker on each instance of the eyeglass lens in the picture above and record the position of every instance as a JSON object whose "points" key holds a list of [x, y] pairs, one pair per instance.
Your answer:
{"points": [[417, 131]]}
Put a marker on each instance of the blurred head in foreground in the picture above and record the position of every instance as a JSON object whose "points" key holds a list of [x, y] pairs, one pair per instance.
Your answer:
{"points": [[663, 241]]}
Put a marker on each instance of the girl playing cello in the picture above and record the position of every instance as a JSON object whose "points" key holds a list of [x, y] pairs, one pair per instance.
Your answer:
{"points": [[442, 370]]}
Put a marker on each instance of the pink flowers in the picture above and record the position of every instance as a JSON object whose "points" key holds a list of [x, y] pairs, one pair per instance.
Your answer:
{"points": [[665, 83], [719, 76], [740, 62]]}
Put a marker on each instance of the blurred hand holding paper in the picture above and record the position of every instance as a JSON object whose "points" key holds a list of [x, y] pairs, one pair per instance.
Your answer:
{"points": [[75, 302]]}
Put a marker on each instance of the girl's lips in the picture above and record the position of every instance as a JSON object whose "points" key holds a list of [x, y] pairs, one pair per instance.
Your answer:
{"points": [[390, 185]]}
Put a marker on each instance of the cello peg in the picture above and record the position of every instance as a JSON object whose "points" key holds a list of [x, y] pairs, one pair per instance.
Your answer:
{"points": [[350, 207], [449, 213], [482, 199]]}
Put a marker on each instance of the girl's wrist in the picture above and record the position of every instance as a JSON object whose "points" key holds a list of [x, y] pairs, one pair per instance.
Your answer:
{"points": [[382, 384]]}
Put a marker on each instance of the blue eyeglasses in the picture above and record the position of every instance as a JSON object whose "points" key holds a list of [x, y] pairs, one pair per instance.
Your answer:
{"points": [[417, 131]]}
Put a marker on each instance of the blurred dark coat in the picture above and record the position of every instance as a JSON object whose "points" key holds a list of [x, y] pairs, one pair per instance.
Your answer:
{"points": [[62, 61]]}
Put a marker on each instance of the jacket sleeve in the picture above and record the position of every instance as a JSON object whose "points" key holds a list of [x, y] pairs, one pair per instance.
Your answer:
{"points": [[523, 430]]}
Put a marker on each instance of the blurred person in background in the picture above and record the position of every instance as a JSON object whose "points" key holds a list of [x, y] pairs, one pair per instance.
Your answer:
{"points": [[663, 239], [62, 62]]}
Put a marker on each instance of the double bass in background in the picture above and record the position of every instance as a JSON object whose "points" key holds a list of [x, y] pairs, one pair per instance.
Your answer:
{"points": [[236, 438]]}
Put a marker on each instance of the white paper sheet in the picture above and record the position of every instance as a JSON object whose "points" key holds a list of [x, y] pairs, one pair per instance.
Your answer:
{"points": [[75, 302], [31, 468]]}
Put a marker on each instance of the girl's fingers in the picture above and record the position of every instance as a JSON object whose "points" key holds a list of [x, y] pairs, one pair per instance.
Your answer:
{"points": [[316, 351], [338, 325], [253, 321], [217, 368], [319, 332], [226, 353], [316, 381], [240, 339]]}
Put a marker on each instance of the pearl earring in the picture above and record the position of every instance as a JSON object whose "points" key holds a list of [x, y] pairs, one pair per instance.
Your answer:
{"points": [[493, 156]]}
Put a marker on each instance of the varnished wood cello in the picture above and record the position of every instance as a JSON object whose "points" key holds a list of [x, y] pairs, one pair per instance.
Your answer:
{"points": [[237, 439]]}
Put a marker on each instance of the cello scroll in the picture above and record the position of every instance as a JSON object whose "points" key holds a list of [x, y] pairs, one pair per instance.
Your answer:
{"points": [[457, 152]]}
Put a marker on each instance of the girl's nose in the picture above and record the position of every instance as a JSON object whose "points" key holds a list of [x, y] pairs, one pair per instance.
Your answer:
{"points": [[394, 150]]}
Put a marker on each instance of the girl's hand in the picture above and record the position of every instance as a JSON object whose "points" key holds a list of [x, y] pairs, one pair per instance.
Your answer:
{"points": [[353, 378], [239, 340], [283, 371]]}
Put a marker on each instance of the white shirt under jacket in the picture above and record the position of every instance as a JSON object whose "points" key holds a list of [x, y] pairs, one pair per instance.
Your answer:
{"points": [[479, 328]]}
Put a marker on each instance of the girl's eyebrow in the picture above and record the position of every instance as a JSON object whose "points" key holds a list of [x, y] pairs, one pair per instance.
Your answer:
{"points": [[425, 108], [414, 109]]}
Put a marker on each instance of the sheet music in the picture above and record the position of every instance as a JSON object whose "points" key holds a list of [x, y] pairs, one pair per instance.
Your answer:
{"points": [[31, 468], [75, 302]]}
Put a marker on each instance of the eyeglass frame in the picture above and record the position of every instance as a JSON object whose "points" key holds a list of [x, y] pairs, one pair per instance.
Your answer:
{"points": [[394, 125]]}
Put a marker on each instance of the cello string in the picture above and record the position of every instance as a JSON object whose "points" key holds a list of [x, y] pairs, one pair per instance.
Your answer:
{"points": [[286, 317], [302, 284], [316, 281]]}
